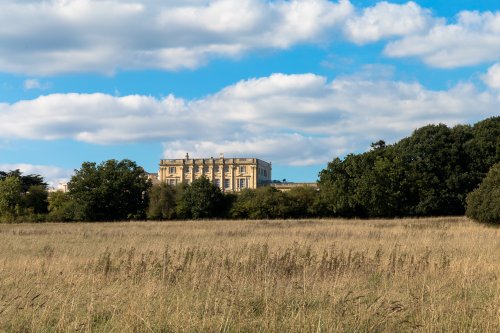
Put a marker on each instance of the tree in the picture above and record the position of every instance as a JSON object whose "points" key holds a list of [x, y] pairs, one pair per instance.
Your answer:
{"points": [[26, 181], [201, 199], [36, 199], [302, 202], [262, 203], [428, 173], [10, 196], [337, 188], [162, 202], [31, 194], [62, 207], [483, 204], [113, 190]]}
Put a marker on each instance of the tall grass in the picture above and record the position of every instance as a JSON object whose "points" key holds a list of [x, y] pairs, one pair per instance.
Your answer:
{"points": [[423, 275]]}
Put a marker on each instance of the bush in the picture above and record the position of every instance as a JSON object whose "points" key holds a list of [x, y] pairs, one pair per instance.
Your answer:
{"points": [[483, 204]]}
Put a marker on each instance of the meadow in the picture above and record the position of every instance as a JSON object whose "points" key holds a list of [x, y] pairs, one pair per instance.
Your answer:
{"points": [[408, 275]]}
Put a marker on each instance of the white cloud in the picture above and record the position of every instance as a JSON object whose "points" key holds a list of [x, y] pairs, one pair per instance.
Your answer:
{"points": [[102, 36], [292, 119], [492, 77], [472, 40], [388, 20], [292, 149], [51, 174], [68, 36]]}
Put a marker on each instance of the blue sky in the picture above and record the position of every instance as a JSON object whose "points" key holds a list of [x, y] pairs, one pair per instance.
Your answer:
{"points": [[294, 82]]}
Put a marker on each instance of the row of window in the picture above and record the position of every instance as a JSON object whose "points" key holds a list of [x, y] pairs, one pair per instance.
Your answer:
{"points": [[241, 183], [173, 170]]}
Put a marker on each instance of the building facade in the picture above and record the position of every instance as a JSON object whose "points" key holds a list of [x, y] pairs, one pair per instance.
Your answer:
{"points": [[229, 174]]}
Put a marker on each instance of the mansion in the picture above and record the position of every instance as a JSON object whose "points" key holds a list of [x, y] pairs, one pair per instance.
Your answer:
{"points": [[229, 174]]}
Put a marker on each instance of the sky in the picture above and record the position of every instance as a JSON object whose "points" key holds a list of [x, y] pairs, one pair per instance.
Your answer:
{"points": [[296, 83]]}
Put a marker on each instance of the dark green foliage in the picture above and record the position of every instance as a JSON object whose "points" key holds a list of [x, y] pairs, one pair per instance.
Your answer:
{"points": [[112, 190], [26, 181], [201, 199], [162, 202], [428, 173], [483, 204], [36, 199], [303, 201]]}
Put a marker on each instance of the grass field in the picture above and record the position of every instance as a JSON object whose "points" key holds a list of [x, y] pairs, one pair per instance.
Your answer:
{"points": [[413, 275]]}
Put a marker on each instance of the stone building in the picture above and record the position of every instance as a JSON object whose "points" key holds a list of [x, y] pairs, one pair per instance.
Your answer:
{"points": [[229, 174]]}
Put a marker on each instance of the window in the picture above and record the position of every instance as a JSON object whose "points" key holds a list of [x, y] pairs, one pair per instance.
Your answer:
{"points": [[243, 169], [205, 169], [227, 183], [171, 169], [186, 169], [172, 182], [265, 173], [226, 168], [242, 183], [217, 182], [196, 169], [216, 168]]}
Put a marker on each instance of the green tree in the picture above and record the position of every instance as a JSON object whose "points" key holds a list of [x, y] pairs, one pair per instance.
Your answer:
{"points": [[162, 202], [336, 186], [10, 196], [36, 199], [303, 202], [428, 173], [26, 180], [62, 207], [201, 199], [483, 204], [113, 190], [262, 203]]}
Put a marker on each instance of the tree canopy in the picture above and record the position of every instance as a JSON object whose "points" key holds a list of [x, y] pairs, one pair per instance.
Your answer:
{"points": [[22, 196], [429, 173], [112, 190]]}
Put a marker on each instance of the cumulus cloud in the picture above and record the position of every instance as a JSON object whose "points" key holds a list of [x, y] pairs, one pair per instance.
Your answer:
{"points": [[101, 36], [473, 39], [51, 174], [388, 20], [492, 77], [293, 119]]}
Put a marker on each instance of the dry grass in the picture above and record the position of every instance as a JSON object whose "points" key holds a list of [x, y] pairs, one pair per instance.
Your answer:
{"points": [[426, 275]]}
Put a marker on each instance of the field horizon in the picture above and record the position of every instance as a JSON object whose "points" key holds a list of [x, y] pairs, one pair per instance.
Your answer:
{"points": [[419, 275]]}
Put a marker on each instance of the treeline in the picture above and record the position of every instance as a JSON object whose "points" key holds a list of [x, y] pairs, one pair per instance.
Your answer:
{"points": [[429, 173], [435, 171], [202, 199]]}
